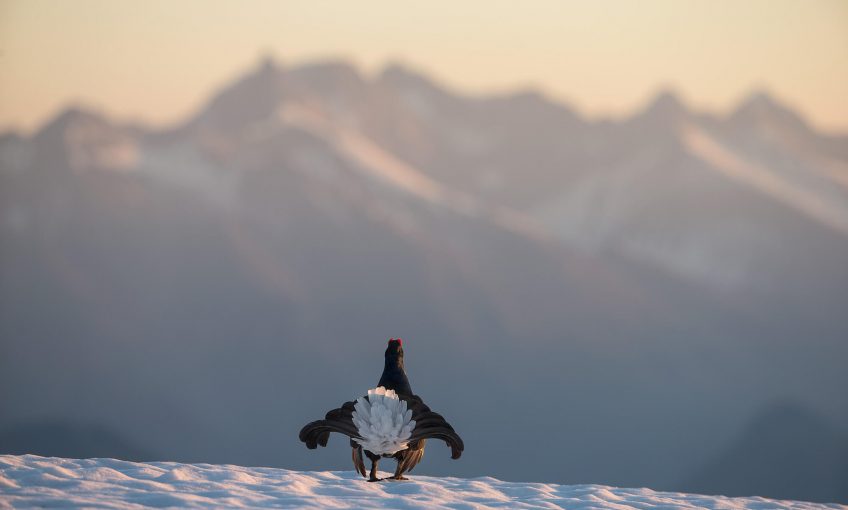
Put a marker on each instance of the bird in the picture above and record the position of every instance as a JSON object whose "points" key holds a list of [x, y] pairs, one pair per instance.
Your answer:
{"points": [[389, 422]]}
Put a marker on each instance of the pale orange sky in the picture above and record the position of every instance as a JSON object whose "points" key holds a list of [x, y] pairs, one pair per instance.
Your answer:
{"points": [[156, 61]]}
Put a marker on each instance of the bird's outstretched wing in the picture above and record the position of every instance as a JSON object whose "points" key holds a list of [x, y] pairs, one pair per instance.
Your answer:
{"points": [[430, 424], [337, 420]]}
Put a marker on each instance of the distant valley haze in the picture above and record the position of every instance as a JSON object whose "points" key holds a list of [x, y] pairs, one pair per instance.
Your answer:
{"points": [[655, 300]]}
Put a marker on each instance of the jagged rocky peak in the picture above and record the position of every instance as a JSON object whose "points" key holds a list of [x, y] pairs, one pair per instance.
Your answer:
{"points": [[331, 70], [760, 100], [416, 86], [336, 83], [401, 74], [533, 101], [268, 64], [763, 109], [82, 138], [77, 125], [259, 95], [247, 100], [74, 115], [666, 104]]}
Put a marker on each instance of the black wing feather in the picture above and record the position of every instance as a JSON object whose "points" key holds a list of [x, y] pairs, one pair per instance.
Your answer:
{"points": [[429, 424], [337, 420]]}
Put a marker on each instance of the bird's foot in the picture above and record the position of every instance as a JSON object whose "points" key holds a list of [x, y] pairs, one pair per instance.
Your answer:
{"points": [[375, 479], [397, 478]]}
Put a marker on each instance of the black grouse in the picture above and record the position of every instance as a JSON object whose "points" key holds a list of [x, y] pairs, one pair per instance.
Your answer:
{"points": [[389, 422]]}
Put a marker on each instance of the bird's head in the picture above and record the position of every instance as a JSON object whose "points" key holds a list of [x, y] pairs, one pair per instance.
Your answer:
{"points": [[394, 351]]}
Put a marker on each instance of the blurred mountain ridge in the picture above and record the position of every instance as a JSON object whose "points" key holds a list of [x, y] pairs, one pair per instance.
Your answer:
{"points": [[534, 156], [643, 285]]}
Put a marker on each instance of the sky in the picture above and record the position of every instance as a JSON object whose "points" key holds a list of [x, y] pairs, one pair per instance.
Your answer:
{"points": [[156, 61]]}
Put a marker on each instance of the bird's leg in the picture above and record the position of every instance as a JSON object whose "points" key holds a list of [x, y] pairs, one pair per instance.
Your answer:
{"points": [[373, 477], [399, 472], [374, 460]]}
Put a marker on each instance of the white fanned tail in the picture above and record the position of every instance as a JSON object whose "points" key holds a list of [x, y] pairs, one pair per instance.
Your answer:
{"points": [[383, 422]]}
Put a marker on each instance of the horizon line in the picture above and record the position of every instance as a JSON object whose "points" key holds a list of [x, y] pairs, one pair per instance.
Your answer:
{"points": [[371, 74]]}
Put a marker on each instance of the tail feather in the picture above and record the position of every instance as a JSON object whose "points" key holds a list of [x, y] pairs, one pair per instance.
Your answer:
{"points": [[384, 422]]}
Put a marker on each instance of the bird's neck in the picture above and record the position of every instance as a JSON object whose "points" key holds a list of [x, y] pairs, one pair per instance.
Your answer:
{"points": [[394, 377]]}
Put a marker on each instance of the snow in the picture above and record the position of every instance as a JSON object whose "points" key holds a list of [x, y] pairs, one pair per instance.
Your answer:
{"points": [[819, 198], [382, 166], [30, 481], [370, 158]]}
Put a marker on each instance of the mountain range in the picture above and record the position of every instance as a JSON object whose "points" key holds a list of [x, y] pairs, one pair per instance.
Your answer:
{"points": [[645, 287]]}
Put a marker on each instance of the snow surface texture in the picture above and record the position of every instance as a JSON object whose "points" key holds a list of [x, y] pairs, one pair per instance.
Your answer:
{"points": [[383, 421], [30, 481]]}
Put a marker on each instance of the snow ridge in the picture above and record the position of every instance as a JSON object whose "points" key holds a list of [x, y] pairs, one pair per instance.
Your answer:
{"points": [[383, 421], [30, 481]]}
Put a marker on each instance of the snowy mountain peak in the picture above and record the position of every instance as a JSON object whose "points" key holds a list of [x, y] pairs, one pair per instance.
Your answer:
{"points": [[245, 101], [81, 138], [760, 108], [666, 104], [268, 64], [403, 76], [74, 115]]}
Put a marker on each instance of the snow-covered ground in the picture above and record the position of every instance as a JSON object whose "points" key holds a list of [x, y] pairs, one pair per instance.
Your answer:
{"points": [[32, 481]]}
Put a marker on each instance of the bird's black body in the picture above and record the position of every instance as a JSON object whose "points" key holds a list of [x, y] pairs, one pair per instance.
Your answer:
{"points": [[394, 376], [428, 423]]}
